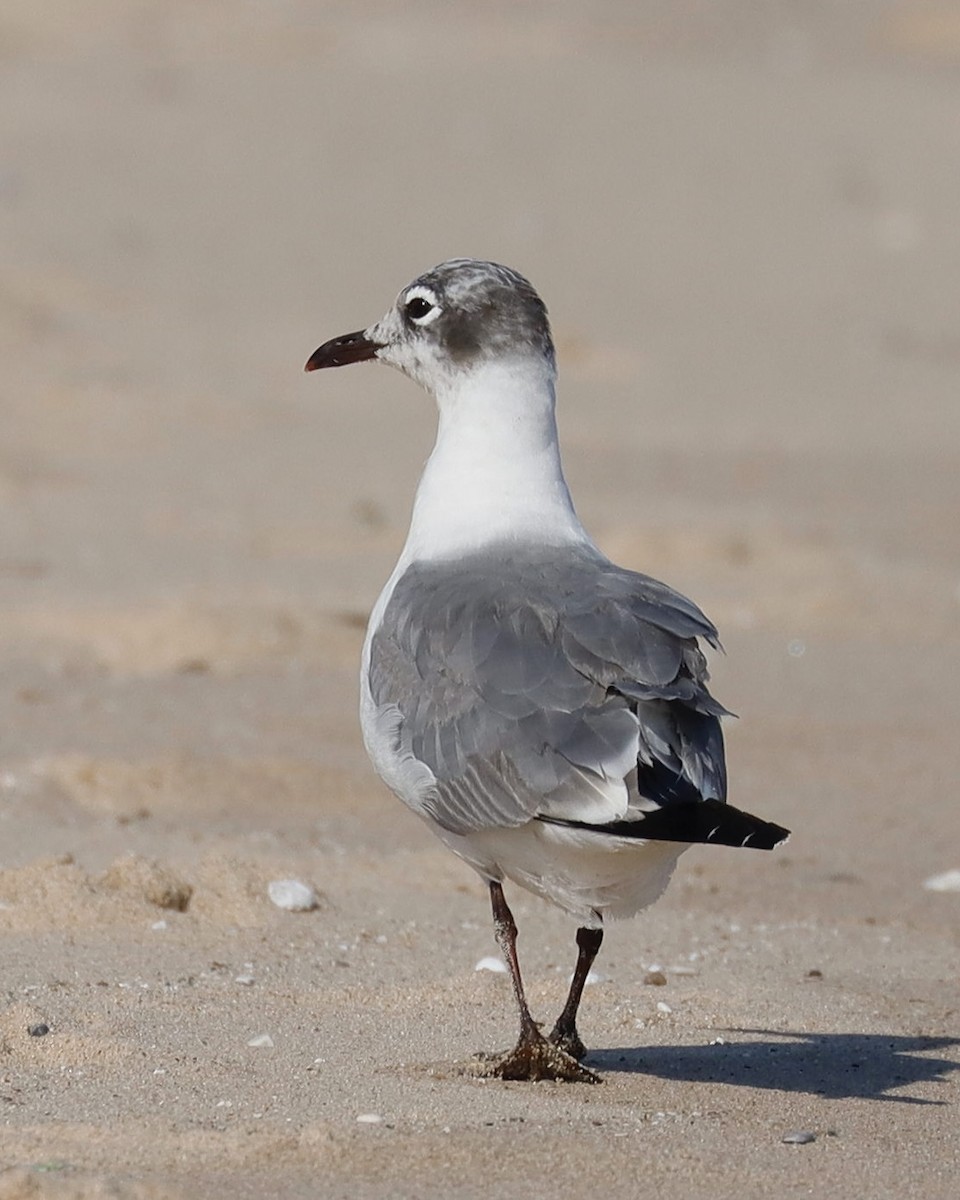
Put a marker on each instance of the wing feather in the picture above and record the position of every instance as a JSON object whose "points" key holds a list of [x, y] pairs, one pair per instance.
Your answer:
{"points": [[536, 684]]}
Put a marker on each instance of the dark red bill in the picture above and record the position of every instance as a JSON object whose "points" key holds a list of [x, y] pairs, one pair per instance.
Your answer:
{"points": [[341, 351]]}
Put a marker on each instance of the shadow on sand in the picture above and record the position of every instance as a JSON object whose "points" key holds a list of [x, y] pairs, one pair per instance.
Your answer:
{"points": [[834, 1065]]}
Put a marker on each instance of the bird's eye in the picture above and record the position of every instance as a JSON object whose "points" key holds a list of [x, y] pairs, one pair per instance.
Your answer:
{"points": [[418, 308]]}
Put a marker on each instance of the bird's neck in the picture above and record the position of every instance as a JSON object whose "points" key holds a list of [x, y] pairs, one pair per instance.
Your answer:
{"points": [[495, 473]]}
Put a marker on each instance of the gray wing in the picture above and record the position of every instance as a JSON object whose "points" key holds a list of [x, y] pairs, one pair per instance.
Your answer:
{"points": [[538, 686]]}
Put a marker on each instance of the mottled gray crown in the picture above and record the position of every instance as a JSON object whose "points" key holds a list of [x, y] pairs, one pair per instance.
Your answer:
{"points": [[487, 310]]}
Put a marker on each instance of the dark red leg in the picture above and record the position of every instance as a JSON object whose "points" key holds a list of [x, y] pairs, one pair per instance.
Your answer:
{"points": [[564, 1033], [533, 1057]]}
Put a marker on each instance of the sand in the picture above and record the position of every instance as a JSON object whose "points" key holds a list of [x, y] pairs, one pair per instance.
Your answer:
{"points": [[744, 219]]}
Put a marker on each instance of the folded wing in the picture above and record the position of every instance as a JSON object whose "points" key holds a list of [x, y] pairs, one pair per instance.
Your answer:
{"points": [[564, 689]]}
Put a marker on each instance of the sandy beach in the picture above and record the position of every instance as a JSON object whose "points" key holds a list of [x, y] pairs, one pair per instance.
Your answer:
{"points": [[743, 218]]}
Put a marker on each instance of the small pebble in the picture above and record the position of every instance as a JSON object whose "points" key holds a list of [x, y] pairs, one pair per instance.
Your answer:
{"points": [[947, 881], [292, 895], [263, 1041], [655, 979], [158, 926], [663, 1007], [38, 1030], [594, 977], [799, 1137], [490, 963], [369, 1119], [246, 980], [718, 1041]]}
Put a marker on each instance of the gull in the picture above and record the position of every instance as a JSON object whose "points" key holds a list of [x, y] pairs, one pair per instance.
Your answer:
{"points": [[543, 710]]}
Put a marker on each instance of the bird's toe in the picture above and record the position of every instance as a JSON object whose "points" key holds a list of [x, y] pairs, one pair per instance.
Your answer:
{"points": [[533, 1060]]}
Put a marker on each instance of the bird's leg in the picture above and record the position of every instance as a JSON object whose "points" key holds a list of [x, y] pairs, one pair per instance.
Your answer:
{"points": [[505, 931], [533, 1057], [564, 1033]]}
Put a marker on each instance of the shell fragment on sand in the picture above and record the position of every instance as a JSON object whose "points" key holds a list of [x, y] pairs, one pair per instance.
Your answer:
{"points": [[946, 881], [798, 1137], [491, 963], [292, 895]]}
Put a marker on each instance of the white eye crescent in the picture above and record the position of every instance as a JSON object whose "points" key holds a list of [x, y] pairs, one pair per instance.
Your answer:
{"points": [[420, 306]]}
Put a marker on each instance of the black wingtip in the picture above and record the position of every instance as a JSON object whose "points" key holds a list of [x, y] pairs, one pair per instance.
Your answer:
{"points": [[706, 822]]}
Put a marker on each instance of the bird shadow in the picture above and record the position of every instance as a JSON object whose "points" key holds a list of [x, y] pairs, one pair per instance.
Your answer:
{"points": [[832, 1065]]}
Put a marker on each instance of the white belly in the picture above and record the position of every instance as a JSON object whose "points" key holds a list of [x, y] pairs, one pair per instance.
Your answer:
{"points": [[589, 875]]}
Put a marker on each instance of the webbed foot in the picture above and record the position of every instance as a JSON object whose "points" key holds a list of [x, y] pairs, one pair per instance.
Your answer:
{"points": [[535, 1058]]}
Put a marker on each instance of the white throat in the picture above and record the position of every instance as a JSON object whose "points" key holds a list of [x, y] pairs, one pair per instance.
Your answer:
{"points": [[495, 473]]}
